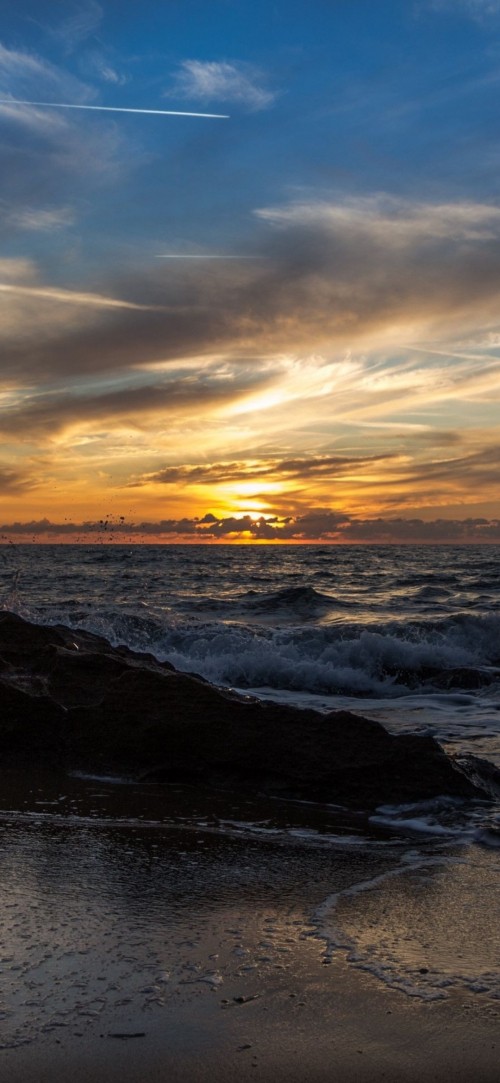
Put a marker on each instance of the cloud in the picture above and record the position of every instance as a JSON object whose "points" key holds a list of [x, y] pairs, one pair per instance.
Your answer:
{"points": [[77, 27], [71, 297], [441, 478], [389, 479], [213, 80], [46, 153], [300, 468], [395, 222], [15, 481], [96, 65], [43, 416], [20, 269], [321, 525], [434, 531], [309, 351], [24, 75], [346, 274], [479, 10], [39, 220]]}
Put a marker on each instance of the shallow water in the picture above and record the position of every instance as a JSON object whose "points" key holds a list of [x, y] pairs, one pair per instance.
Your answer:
{"points": [[116, 907], [106, 918], [428, 926]]}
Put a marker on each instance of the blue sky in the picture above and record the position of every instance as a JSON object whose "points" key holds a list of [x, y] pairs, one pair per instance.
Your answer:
{"points": [[340, 360]]}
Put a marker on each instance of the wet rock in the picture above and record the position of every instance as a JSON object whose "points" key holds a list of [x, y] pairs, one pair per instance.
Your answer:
{"points": [[70, 698], [31, 726]]}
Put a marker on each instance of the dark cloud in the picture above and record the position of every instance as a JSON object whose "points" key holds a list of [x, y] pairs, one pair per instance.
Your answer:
{"points": [[401, 530], [402, 479], [438, 438], [335, 274], [475, 470], [313, 466], [322, 524], [45, 415], [14, 481]]}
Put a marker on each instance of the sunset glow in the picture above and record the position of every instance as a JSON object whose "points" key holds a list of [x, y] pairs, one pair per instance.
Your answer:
{"points": [[291, 314]]}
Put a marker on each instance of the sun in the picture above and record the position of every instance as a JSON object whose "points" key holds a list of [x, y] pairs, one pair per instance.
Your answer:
{"points": [[249, 497]]}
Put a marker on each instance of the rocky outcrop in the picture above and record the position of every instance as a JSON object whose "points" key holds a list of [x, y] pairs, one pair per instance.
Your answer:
{"points": [[68, 698]]}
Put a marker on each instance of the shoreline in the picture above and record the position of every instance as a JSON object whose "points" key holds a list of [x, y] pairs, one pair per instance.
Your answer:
{"points": [[142, 954]]}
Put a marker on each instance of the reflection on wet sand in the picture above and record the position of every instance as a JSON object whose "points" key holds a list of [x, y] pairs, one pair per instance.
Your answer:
{"points": [[113, 915]]}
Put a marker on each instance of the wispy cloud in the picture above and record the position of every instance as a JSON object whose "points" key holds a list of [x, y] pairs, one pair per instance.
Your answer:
{"points": [[203, 255], [391, 220], [20, 269], [21, 73], [82, 23], [16, 481], [40, 220], [47, 414], [391, 478], [477, 9], [321, 289], [214, 80], [314, 341], [96, 64], [72, 297], [47, 153], [300, 468]]}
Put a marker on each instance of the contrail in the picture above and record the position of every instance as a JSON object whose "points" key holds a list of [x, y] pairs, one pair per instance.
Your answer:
{"points": [[115, 109], [201, 255]]}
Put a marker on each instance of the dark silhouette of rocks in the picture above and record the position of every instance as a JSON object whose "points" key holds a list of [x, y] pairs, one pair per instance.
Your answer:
{"points": [[70, 699]]}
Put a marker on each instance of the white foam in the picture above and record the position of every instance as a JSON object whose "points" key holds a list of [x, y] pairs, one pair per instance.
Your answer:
{"points": [[402, 937]]}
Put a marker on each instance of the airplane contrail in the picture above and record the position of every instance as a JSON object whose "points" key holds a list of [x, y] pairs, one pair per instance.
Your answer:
{"points": [[201, 255], [115, 109]]}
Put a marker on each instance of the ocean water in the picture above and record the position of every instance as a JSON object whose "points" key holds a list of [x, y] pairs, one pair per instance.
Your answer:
{"points": [[409, 636]]}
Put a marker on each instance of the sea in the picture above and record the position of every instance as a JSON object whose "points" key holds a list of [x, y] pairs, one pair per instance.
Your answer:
{"points": [[409, 636]]}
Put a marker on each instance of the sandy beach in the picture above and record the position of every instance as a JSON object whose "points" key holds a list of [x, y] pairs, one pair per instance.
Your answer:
{"points": [[310, 1024], [140, 951]]}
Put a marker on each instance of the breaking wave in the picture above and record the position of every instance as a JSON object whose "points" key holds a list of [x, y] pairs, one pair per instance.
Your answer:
{"points": [[391, 659]]}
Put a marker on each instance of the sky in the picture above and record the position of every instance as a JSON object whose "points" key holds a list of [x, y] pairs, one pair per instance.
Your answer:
{"points": [[277, 320]]}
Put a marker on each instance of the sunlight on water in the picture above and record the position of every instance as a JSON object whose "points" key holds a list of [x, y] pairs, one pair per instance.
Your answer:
{"points": [[427, 927]]}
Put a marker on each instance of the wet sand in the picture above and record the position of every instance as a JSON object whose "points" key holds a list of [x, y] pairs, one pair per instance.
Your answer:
{"points": [[311, 1027], [140, 951]]}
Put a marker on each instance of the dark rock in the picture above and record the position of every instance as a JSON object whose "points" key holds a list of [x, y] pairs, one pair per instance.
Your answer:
{"points": [[31, 726], [70, 698]]}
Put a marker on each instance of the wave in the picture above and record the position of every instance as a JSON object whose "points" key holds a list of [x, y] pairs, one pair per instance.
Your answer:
{"points": [[365, 662], [288, 605], [385, 659], [291, 598]]}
